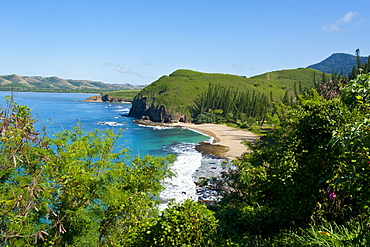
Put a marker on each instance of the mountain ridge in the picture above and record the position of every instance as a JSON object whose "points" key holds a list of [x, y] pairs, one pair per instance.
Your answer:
{"points": [[55, 84], [339, 62]]}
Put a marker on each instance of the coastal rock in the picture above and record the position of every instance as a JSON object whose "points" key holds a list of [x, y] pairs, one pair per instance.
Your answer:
{"points": [[94, 99], [212, 149], [142, 109], [208, 177], [105, 98]]}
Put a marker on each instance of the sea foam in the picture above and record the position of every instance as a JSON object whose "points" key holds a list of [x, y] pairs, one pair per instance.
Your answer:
{"points": [[181, 186]]}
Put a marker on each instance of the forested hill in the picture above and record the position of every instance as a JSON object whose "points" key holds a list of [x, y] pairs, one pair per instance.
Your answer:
{"points": [[172, 97], [338, 62], [56, 84]]}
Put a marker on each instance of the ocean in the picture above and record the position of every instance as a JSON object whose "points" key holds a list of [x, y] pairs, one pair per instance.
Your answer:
{"points": [[61, 111]]}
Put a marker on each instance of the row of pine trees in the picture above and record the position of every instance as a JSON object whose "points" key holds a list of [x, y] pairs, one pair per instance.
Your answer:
{"points": [[224, 104]]}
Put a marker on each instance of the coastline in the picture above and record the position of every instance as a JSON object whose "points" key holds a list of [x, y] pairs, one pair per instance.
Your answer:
{"points": [[225, 136], [198, 170]]}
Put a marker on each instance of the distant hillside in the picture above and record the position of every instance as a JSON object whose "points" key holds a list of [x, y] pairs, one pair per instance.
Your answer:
{"points": [[115, 96], [170, 98], [56, 84], [338, 62]]}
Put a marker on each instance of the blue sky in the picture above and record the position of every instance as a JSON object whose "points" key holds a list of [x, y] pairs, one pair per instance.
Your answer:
{"points": [[139, 41]]}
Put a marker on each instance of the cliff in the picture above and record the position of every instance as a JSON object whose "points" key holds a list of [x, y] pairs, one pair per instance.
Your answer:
{"points": [[147, 110]]}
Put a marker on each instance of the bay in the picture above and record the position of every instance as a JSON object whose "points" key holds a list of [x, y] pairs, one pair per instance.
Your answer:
{"points": [[61, 111]]}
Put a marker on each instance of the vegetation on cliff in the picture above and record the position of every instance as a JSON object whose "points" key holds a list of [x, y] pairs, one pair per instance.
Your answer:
{"points": [[224, 105], [115, 96], [173, 96], [127, 95]]}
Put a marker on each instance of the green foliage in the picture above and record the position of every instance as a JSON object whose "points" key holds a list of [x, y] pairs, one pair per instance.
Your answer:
{"points": [[312, 168], [298, 160], [332, 235], [357, 93], [128, 95], [186, 224], [222, 104], [178, 91], [243, 220], [76, 189]]}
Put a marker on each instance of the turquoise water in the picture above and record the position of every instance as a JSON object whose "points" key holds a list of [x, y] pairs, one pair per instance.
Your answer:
{"points": [[58, 111]]}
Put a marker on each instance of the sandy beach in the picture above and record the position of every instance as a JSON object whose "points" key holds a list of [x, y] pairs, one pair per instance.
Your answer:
{"points": [[224, 135]]}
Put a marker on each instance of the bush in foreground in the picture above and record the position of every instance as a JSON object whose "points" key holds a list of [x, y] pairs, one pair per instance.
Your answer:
{"points": [[73, 190], [311, 172]]}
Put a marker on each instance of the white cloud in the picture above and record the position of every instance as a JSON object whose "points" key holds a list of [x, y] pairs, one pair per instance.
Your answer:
{"points": [[121, 68], [338, 25], [347, 18]]}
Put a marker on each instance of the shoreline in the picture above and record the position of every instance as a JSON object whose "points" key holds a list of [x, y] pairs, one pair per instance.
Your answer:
{"points": [[225, 136], [198, 184]]}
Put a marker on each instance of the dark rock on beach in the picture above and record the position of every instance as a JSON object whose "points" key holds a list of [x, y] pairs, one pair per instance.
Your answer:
{"points": [[212, 149], [206, 178]]}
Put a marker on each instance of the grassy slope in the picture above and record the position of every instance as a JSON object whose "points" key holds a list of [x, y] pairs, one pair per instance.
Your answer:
{"points": [[128, 95], [178, 90], [278, 82]]}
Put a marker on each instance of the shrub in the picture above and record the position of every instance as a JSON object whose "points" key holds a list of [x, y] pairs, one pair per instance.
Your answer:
{"points": [[314, 166], [186, 224]]}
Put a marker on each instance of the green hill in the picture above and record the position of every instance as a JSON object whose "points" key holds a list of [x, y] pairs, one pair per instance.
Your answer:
{"points": [[115, 96], [56, 84], [170, 98], [128, 95]]}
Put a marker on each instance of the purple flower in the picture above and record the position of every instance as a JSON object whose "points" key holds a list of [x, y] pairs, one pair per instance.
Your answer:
{"points": [[328, 190], [332, 195]]}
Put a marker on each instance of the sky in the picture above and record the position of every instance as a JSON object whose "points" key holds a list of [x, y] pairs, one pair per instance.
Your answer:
{"points": [[137, 42]]}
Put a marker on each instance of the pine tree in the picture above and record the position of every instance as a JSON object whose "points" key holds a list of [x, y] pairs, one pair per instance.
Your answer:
{"points": [[358, 58]]}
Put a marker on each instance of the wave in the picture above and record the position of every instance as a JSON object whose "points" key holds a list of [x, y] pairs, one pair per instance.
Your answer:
{"points": [[155, 127], [181, 186], [124, 110], [211, 138], [110, 123]]}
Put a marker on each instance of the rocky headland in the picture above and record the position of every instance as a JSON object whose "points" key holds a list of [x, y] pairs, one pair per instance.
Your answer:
{"points": [[106, 98], [147, 110]]}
